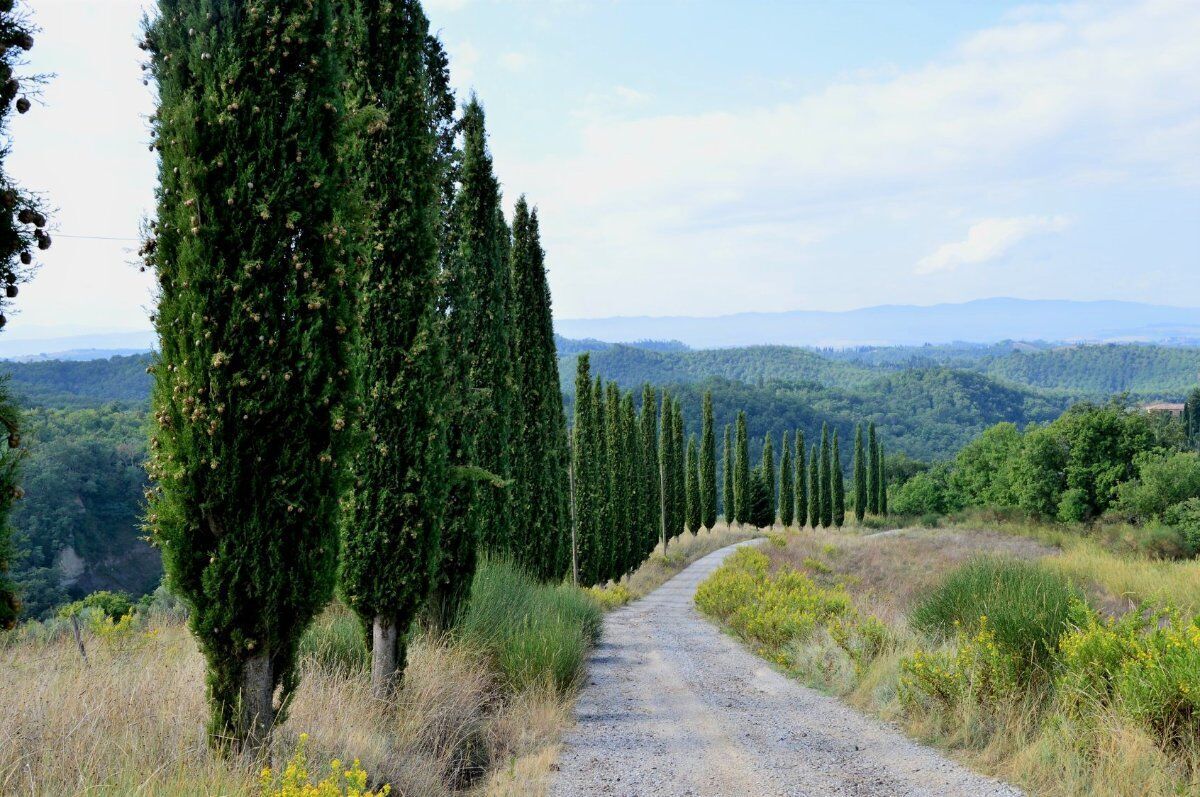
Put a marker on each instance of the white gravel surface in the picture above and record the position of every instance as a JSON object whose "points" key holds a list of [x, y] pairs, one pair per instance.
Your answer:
{"points": [[673, 706]]}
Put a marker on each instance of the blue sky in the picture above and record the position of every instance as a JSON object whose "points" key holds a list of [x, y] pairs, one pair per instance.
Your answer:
{"points": [[702, 158]]}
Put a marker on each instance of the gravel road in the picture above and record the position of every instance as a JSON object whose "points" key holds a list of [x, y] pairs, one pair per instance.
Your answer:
{"points": [[673, 706]]}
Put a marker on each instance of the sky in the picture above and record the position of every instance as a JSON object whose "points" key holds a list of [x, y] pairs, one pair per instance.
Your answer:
{"points": [[700, 158]]}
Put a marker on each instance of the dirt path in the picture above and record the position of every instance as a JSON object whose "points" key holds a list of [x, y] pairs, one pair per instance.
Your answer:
{"points": [[675, 707]]}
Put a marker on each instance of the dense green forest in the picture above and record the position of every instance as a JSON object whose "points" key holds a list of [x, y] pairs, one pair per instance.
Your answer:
{"points": [[83, 476]]}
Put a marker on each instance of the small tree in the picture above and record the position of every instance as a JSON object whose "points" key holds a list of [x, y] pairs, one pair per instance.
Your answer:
{"points": [[872, 471], [826, 475], [860, 475], [761, 514], [708, 465], [741, 472], [768, 468], [839, 485], [801, 480], [691, 476], [814, 487], [727, 502], [787, 483]]}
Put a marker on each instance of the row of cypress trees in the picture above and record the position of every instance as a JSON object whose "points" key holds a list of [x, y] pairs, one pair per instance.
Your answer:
{"points": [[356, 387], [806, 489]]}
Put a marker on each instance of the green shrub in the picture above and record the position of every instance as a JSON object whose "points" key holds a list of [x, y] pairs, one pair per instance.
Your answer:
{"points": [[1164, 480], [1027, 608], [114, 605], [536, 633], [1185, 517]]}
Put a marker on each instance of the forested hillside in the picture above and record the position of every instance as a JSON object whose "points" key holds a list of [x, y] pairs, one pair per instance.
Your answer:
{"points": [[85, 383]]}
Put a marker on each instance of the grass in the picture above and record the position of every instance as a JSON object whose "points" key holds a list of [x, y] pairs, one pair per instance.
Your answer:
{"points": [[661, 566], [1108, 722], [131, 720]]}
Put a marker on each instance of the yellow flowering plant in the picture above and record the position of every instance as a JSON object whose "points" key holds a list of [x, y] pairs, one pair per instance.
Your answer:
{"points": [[296, 781]]}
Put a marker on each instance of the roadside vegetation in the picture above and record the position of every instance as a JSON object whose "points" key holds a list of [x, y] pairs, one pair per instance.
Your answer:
{"points": [[479, 710]]}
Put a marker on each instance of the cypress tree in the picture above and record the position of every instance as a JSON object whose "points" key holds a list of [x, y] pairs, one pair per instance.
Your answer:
{"points": [[708, 465], [1191, 418], [619, 484], [666, 461], [255, 307], [787, 482], [22, 232], [392, 517], [475, 323], [679, 470], [727, 503], [539, 434], [801, 478], [860, 475], [583, 457], [633, 481], [839, 485], [651, 481], [826, 475], [768, 468], [814, 488], [603, 545], [741, 473], [881, 482], [692, 485], [872, 470], [761, 515]]}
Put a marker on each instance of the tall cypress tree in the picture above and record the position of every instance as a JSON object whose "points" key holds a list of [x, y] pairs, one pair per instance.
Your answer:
{"points": [[250, 248], [633, 480], [391, 528], [539, 434], [826, 474], [760, 499], [872, 470], [814, 487], [860, 475], [618, 481], [583, 457], [22, 230], [727, 503], [1191, 418], [708, 465], [839, 485], [741, 473], [881, 482], [787, 482], [768, 468], [666, 460], [475, 323], [651, 480], [679, 470], [603, 543], [691, 478], [801, 478]]}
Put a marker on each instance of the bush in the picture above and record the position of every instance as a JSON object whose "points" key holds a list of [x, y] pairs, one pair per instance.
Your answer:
{"points": [[295, 780], [114, 605], [1026, 607], [978, 669], [1185, 517], [927, 493], [536, 633], [1164, 480]]}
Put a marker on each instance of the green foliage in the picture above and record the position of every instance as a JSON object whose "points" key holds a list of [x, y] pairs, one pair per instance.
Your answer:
{"points": [[69, 384], [691, 478], [787, 482], [586, 464], [538, 634], [761, 514], [1163, 480], [708, 466], [801, 480], [727, 500], [741, 472], [768, 472], [927, 493], [114, 605], [873, 486], [334, 641], [391, 525], [650, 495], [540, 432], [1027, 608], [250, 246], [839, 485], [860, 475], [814, 487], [825, 476], [678, 472], [1185, 517]]}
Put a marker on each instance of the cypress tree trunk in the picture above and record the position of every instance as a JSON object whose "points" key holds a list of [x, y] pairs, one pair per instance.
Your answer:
{"points": [[708, 466], [872, 471], [839, 485], [741, 473], [860, 475], [826, 473], [787, 482], [814, 487], [768, 469], [801, 481], [22, 232], [392, 526], [691, 473], [250, 248], [727, 503]]}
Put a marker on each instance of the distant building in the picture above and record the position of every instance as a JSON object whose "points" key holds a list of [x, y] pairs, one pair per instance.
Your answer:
{"points": [[1174, 409]]}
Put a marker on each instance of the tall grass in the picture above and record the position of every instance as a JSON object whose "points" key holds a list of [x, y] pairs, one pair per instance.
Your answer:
{"points": [[537, 634], [1026, 606]]}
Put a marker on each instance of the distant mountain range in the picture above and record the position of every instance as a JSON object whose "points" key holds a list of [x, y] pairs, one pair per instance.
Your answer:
{"points": [[980, 321]]}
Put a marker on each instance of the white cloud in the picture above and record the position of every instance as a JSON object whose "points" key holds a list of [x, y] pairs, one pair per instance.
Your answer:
{"points": [[464, 57], [987, 240], [515, 62]]}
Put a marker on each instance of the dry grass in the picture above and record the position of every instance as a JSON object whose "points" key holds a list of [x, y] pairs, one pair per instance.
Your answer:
{"points": [[660, 567], [1028, 741], [131, 721]]}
